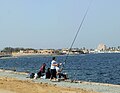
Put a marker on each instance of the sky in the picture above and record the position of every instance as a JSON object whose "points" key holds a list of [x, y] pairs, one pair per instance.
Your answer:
{"points": [[43, 24]]}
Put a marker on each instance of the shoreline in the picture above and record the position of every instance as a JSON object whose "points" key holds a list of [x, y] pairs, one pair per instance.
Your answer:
{"points": [[88, 86], [68, 80], [13, 82], [38, 54]]}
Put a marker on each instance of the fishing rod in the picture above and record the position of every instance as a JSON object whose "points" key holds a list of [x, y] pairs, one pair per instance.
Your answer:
{"points": [[80, 26]]}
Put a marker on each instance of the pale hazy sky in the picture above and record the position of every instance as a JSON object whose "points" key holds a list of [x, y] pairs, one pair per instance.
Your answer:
{"points": [[53, 23]]}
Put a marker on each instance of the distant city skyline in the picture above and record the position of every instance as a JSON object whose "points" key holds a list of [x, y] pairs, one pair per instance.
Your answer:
{"points": [[100, 46], [53, 23]]}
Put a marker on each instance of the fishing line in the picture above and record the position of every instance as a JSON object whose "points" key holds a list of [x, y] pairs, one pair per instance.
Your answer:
{"points": [[80, 26]]}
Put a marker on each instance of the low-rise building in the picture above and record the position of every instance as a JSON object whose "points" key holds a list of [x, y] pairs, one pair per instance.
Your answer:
{"points": [[46, 51]]}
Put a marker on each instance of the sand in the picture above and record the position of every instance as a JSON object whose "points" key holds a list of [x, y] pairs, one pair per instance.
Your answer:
{"points": [[18, 82], [5, 91], [12, 85]]}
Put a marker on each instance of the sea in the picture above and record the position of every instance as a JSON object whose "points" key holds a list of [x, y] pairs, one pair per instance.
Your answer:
{"points": [[101, 67]]}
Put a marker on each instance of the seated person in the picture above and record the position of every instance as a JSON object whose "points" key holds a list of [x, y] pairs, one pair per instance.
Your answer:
{"points": [[58, 72], [41, 71]]}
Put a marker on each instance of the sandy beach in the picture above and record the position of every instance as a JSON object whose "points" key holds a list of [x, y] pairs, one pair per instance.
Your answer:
{"points": [[12, 85]]}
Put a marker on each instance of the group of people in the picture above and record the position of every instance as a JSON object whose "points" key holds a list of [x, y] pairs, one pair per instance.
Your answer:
{"points": [[55, 70], [52, 73]]}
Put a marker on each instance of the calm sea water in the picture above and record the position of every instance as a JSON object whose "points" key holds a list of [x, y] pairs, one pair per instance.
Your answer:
{"points": [[103, 68]]}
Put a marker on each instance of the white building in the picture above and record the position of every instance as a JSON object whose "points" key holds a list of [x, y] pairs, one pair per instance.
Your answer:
{"points": [[101, 47]]}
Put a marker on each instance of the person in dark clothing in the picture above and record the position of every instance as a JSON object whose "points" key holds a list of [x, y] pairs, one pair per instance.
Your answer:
{"points": [[41, 71], [48, 73]]}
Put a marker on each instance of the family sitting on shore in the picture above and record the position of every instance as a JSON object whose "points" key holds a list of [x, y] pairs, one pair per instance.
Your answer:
{"points": [[52, 73]]}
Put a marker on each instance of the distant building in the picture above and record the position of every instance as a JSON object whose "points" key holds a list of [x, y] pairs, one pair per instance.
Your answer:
{"points": [[46, 51], [101, 47], [65, 50]]}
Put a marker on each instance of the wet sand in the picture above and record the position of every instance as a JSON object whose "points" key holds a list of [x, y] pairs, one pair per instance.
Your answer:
{"points": [[12, 85]]}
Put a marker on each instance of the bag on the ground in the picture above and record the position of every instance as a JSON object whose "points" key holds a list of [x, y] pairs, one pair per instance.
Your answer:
{"points": [[32, 75]]}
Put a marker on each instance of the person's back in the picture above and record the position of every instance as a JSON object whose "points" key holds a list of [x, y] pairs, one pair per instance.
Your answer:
{"points": [[42, 70]]}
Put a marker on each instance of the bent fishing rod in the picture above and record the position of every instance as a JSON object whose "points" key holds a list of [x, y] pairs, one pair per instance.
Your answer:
{"points": [[80, 26]]}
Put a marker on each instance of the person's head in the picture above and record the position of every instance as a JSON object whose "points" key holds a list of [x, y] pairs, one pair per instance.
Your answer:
{"points": [[44, 64], [53, 58]]}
